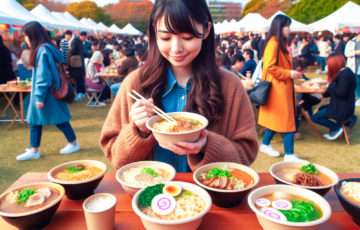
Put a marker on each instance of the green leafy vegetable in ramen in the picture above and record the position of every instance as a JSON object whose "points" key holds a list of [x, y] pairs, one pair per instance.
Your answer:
{"points": [[76, 168], [309, 168], [24, 195], [149, 171], [149, 193], [217, 172], [183, 194], [301, 211]]}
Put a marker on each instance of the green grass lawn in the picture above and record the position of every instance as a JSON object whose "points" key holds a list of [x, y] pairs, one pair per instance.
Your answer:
{"points": [[87, 123]]}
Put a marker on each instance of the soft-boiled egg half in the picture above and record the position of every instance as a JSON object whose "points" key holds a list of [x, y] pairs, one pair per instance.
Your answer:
{"points": [[172, 189]]}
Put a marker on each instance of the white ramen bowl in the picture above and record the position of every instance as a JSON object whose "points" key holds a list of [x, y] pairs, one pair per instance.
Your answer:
{"points": [[268, 223], [132, 189], [166, 138], [190, 223]]}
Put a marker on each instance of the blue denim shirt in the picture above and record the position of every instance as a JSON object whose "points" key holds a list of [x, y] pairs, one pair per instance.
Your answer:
{"points": [[173, 100]]}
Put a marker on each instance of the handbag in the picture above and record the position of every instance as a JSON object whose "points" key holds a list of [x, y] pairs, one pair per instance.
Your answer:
{"points": [[75, 61], [66, 91], [259, 93]]}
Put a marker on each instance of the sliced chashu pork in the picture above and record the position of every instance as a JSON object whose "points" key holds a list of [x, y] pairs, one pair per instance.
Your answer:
{"points": [[45, 191], [35, 200]]}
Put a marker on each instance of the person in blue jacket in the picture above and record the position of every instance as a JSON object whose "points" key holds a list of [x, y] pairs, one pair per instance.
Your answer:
{"points": [[44, 109]]}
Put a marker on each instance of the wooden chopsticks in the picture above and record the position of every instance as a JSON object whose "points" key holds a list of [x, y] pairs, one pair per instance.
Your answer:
{"points": [[156, 109]]}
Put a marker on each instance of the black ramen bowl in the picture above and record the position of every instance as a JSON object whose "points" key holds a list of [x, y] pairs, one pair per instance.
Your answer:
{"points": [[352, 209], [37, 218], [78, 190], [321, 190], [226, 198]]}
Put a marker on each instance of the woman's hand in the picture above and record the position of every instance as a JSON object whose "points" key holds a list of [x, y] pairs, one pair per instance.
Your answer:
{"points": [[39, 105], [295, 74], [185, 148], [140, 112]]}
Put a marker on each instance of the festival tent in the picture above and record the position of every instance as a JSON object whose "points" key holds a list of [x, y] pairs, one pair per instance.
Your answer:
{"points": [[76, 22], [92, 24], [223, 27], [63, 20], [103, 26], [295, 26], [115, 29], [13, 8], [40, 11], [8, 19], [252, 22], [130, 30], [346, 16]]}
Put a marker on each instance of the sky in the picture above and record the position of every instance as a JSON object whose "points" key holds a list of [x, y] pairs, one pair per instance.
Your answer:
{"points": [[102, 3]]}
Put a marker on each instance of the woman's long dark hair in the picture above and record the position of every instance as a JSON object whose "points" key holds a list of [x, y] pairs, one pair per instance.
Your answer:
{"points": [[37, 36], [205, 96], [276, 29]]}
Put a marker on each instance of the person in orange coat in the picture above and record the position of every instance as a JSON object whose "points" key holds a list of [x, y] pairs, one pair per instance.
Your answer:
{"points": [[278, 114]]}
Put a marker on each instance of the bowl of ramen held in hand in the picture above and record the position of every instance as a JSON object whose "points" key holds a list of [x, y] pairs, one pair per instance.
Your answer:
{"points": [[140, 174], [348, 192], [187, 128], [31, 206], [226, 182], [79, 178], [306, 175], [171, 206], [285, 207]]}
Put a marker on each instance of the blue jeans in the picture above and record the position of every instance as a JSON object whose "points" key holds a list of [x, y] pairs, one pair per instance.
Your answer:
{"points": [[322, 62], [115, 88], [322, 119], [36, 131], [288, 139], [357, 90]]}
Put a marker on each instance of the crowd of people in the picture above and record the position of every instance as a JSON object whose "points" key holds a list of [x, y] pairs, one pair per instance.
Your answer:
{"points": [[185, 66]]}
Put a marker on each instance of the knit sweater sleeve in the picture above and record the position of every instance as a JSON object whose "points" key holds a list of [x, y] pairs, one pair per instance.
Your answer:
{"points": [[237, 142], [120, 139]]}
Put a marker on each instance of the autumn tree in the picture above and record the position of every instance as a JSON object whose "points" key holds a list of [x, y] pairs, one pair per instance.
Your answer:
{"points": [[88, 9], [266, 7], [135, 12], [308, 11]]}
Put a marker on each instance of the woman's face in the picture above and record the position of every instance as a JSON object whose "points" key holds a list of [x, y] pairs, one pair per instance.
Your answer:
{"points": [[286, 31], [27, 41], [179, 49]]}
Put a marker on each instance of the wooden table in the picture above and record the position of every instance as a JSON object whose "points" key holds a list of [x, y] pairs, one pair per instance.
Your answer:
{"points": [[70, 214], [10, 100]]}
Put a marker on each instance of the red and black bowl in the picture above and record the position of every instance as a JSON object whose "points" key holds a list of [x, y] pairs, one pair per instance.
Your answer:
{"points": [[36, 218], [351, 208]]}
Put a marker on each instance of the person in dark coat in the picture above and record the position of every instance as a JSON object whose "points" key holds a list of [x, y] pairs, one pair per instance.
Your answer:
{"points": [[77, 72], [339, 45], [7, 73], [342, 97]]}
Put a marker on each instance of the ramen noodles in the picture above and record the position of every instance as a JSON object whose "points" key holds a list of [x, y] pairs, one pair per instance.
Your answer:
{"points": [[226, 178], [78, 172], [145, 176], [182, 124], [351, 190], [28, 199]]}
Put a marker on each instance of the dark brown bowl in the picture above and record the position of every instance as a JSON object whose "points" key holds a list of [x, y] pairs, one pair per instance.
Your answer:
{"points": [[352, 209], [321, 190], [78, 190], [226, 198], [35, 219]]}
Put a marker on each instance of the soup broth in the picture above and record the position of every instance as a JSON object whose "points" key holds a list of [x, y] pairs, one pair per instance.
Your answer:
{"points": [[145, 176], [294, 208], [296, 176], [183, 124], [11, 202], [78, 172]]}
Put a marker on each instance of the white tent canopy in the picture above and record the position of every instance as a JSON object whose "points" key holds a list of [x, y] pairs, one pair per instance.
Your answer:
{"points": [[92, 24], [76, 22], [102, 25], [130, 30], [13, 8], [252, 22], [41, 12], [63, 20], [295, 26], [115, 29], [347, 16], [8, 19], [222, 27]]}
